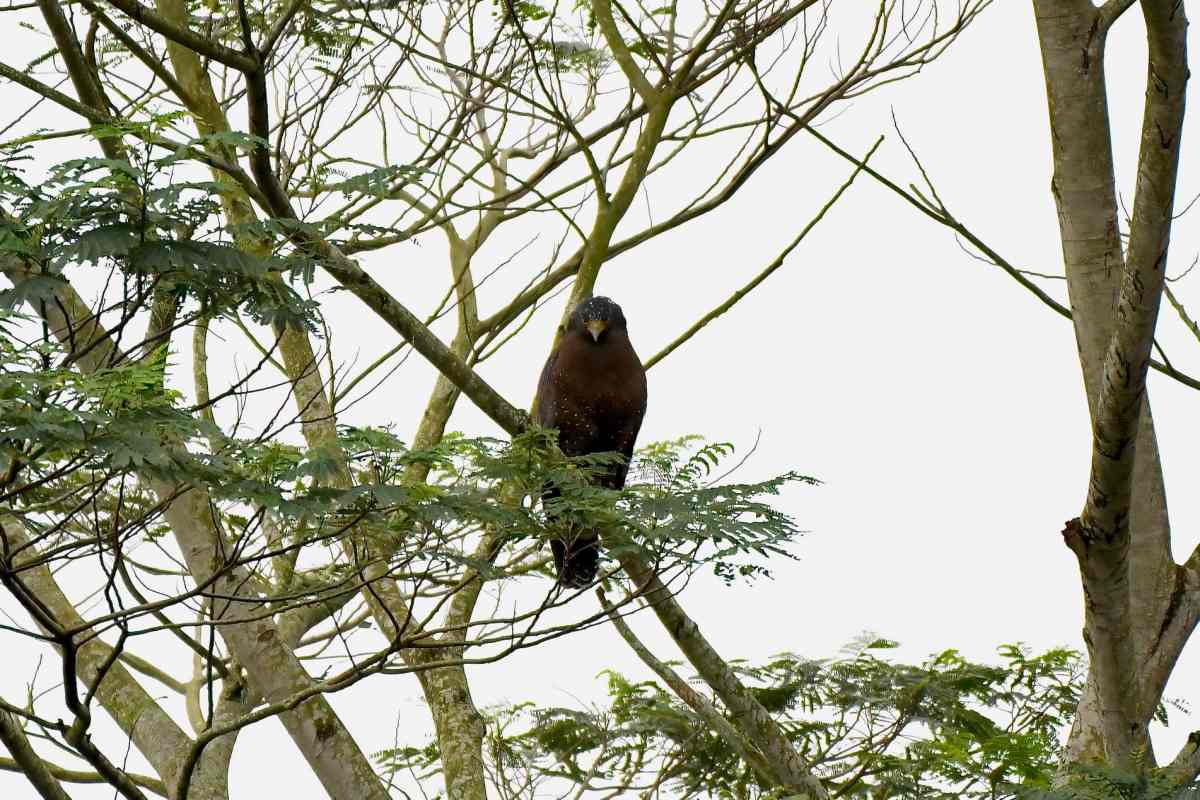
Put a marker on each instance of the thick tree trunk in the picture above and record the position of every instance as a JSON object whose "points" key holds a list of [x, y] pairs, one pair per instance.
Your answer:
{"points": [[1133, 590]]}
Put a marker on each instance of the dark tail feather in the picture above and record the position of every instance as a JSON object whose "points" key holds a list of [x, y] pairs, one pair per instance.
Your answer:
{"points": [[577, 557], [577, 561]]}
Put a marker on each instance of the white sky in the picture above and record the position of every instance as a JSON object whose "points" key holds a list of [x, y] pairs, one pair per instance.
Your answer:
{"points": [[940, 403]]}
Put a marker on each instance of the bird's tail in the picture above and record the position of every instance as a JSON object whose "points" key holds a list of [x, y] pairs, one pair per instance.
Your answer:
{"points": [[577, 560]]}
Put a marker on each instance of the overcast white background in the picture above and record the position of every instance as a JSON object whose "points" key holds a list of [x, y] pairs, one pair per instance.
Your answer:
{"points": [[939, 402]]}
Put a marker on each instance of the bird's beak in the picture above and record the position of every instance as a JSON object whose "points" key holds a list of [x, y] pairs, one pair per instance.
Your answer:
{"points": [[595, 328]]}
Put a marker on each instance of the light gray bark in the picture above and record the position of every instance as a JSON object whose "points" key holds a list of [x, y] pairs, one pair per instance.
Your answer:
{"points": [[138, 715], [459, 725], [272, 669], [1131, 584], [318, 422], [13, 737]]}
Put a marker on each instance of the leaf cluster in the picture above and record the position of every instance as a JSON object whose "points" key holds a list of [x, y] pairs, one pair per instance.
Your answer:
{"points": [[872, 727], [136, 219]]}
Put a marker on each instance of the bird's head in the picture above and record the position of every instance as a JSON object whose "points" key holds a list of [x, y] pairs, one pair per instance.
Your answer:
{"points": [[596, 318]]}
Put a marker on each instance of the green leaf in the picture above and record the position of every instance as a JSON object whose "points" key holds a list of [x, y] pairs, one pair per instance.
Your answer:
{"points": [[30, 290]]}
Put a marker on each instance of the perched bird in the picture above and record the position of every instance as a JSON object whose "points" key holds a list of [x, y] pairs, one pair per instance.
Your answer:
{"points": [[593, 390]]}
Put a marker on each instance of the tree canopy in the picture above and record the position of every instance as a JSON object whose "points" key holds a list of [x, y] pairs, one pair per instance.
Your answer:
{"points": [[210, 217]]}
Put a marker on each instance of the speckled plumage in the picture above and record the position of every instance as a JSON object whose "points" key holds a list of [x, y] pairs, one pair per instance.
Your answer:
{"points": [[593, 390]]}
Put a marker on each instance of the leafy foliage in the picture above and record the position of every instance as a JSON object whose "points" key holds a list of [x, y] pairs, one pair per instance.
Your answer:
{"points": [[153, 230], [945, 728], [86, 445], [687, 512]]}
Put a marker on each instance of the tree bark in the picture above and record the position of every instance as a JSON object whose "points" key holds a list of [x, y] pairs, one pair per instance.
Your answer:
{"points": [[136, 713], [272, 669], [1122, 539], [13, 737], [454, 714], [749, 716]]}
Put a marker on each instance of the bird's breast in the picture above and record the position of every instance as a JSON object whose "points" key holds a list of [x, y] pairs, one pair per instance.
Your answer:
{"points": [[602, 378]]}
